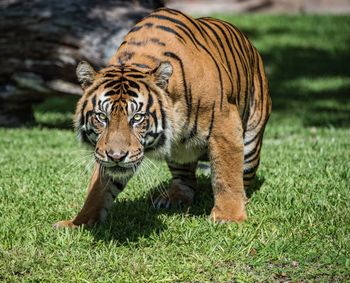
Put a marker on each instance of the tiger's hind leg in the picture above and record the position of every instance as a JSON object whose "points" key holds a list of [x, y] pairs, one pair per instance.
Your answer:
{"points": [[182, 188]]}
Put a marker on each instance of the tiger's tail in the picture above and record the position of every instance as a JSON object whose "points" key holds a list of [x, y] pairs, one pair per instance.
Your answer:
{"points": [[260, 109]]}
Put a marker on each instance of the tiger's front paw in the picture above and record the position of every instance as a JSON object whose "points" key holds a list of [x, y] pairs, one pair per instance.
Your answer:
{"points": [[234, 214], [64, 224]]}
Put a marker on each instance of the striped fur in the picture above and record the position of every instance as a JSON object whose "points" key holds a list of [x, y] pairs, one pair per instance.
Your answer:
{"points": [[196, 87]]}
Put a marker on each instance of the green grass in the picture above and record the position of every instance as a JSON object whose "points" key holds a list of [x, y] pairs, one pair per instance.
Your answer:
{"points": [[299, 211]]}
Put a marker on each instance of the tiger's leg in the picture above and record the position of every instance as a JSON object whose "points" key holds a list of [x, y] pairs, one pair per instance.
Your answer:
{"points": [[101, 194], [182, 187], [226, 157]]}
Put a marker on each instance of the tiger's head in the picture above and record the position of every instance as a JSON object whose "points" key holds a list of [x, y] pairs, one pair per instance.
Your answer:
{"points": [[123, 114]]}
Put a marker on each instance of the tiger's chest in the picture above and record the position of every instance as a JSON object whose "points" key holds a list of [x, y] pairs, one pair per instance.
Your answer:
{"points": [[187, 151], [189, 135]]}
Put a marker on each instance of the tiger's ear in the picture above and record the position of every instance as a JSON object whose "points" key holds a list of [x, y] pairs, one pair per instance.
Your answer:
{"points": [[85, 73], [162, 73]]}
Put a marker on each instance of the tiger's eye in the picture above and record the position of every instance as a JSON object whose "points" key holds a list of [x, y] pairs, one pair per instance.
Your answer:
{"points": [[102, 117], [137, 117]]}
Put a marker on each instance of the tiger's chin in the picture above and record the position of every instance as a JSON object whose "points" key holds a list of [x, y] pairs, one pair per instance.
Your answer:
{"points": [[122, 171]]}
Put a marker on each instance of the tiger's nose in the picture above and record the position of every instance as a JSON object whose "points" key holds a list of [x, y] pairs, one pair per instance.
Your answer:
{"points": [[116, 156]]}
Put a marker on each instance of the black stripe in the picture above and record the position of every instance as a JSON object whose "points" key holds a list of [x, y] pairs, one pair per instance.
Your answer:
{"points": [[193, 22], [211, 39], [135, 29], [155, 119], [96, 86], [191, 37], [130, 70], [232, 96], [82, 113], [230, 47], [260, 132], [245, 65], [112, 84], [140, 106], [211, 121], [235, 53], [254, 154], [132, 93], [231, 27], [133, 85], [162, 17], [193, 131], [137, 43], [112, 72], [161, 140], [167, 29], [262, 99], [149, 102], [157, 41], [164, 123], [136, 76], [246, 178], [217, 67], [93, 100], [110, 93], [174, 56], [110, 75], [88, 115], [179, 24], [189, 105], [222, 46], [170, 11], [84, 137], [250, 170], [252, 100]]}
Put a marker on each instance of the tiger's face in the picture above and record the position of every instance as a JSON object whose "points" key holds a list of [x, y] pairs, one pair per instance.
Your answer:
{"points": [[123, 114]]}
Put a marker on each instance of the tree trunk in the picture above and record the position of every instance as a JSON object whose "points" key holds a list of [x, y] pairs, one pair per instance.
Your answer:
{"points": [[42, 41]]}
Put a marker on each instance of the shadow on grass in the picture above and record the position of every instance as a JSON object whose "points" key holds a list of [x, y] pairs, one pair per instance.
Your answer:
{"points": [[130, 221], [320, 105], [255, 186]]}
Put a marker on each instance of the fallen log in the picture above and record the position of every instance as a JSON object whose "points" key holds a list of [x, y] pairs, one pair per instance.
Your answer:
{"points": [[42, 41]]}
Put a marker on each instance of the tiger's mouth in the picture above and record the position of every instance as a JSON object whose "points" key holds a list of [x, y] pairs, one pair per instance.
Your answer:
{"points": [[124, 168]]}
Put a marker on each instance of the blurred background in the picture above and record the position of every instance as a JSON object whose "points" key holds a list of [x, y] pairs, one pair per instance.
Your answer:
{"points": [[305, 45], [261, 6]]}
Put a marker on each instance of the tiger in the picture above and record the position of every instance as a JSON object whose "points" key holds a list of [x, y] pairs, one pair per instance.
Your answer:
{"points": [[177, 89]]}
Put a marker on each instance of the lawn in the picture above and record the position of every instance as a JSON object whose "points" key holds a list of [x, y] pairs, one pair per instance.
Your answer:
{"points": [[299, 210]]}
